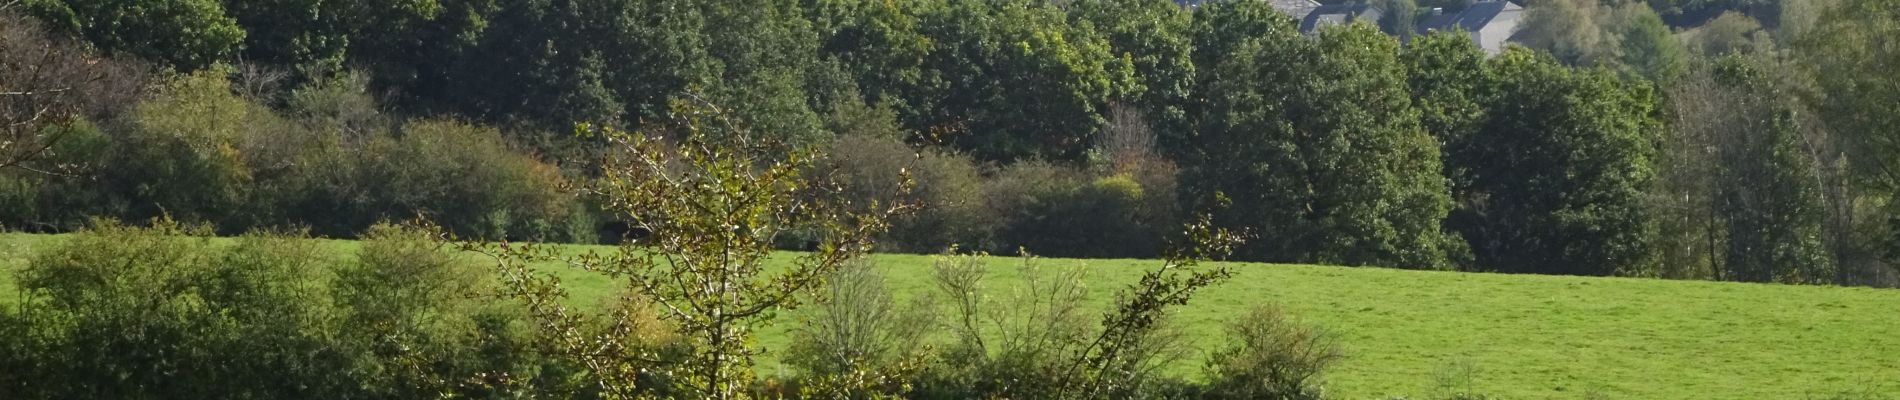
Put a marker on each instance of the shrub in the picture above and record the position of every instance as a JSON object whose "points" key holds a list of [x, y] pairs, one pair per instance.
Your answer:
{"points": [[415, 310], [947, 186], [161, 312], [1015, 346], [1270, 356], [854, 341], [854, 324], [180, 153], [125, 312], [340, 104], [466, 177], [1059, 212]]}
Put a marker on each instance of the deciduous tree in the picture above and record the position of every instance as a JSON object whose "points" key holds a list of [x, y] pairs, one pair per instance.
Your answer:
{"points": [[1558, 171], [1319, 146]]}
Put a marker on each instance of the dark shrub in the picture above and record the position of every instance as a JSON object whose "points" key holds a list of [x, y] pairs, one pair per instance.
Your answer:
{"points": [[947, 185], [1057, 211]]}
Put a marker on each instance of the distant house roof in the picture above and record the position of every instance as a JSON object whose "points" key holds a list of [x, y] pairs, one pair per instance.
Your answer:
{"points": [[1296, 8], [1336, 14], [1490, 23]]}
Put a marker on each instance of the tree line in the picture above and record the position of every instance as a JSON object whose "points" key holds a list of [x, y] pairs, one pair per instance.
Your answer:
{"points": [[1729, 140]]}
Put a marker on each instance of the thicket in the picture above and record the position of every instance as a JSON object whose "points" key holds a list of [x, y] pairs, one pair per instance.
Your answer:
{"points": [[162, 312], [331, 162], [1064, 128]]}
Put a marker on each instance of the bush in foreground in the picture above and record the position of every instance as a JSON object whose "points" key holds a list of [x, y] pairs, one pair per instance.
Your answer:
{"points": [[162, 312]]}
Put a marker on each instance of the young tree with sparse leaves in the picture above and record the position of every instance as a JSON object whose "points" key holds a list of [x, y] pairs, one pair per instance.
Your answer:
{"points": [[708, 198]]}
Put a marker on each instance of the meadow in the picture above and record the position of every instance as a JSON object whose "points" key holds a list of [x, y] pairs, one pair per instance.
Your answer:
{"points": [[1416, 333]]}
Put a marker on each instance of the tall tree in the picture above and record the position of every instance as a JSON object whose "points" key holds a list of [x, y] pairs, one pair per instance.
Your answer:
{"points": [[882, 46], [1153, 34], [1022, 81], [1450, 84], [1400, 18], [1318, 145], [1769, 189], [1645, 46], [1449, 80], [1688, 13], [1850, 53], [300, 32], [551, 63], [1219, 30], [1559, 170], [182, 34]]}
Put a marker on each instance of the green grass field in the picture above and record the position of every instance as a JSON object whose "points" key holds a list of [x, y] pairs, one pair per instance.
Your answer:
{"points": [[1515, 336]]}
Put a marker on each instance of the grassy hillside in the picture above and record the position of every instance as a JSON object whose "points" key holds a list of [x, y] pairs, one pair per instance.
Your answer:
{"points": [[1516, 336]]}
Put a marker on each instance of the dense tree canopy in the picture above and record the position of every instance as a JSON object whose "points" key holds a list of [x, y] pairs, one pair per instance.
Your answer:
{"points": [[1318, 145], [1559, 168], [1021, 81], [187, 34]]}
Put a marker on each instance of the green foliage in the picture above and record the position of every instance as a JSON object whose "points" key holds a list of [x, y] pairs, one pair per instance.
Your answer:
{"points": [[49, 85], [1559, 170], [1136, 339], [334, 163], [183, 34], [1219, 31], [1728, 33], [1221, 28], [1009, 346], [1270, 356], [553, 63], [323, 34], [466, 176], [883, 47], [1742, 151], [1023, 83], [1648, 49], [1400, 327], [1400, 18], [1849, 56], [1035, 342], [1629, 37], [1066, 215], [43, 202], [1154, 35], [415, 307], [1688, 13], [182, 155], [709, 206], [159, 312], [1319, 146], [1450, 82]]}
